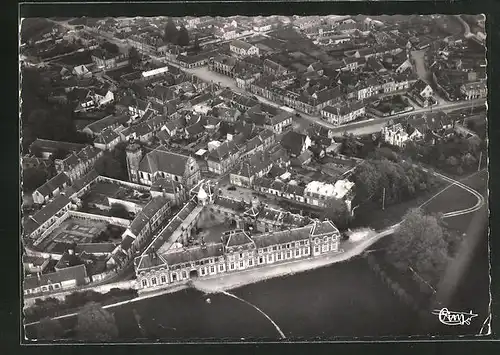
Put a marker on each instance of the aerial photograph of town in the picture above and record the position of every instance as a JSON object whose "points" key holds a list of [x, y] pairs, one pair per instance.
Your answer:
{"points": [[253, 179]]}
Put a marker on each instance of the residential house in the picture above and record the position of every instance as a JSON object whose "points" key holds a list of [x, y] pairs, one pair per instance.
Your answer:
{"points": [[161, 163], [273, 68], [173, 190], [254, 167], [81, 71], [317, 193], [115, 123], [400, 133], [75, 165], [295, 143], [63, 279], [279, 123], [107, 140], [223, 158], [243, 48], [223, 64], [108, 61], [51, 188], [344, 112], [422, 93]]}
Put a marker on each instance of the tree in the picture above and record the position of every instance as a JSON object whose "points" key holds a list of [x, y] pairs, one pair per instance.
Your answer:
{"points": [[33, 178], [336, 211], [109, 166], [420, 243], [96, 323], [196, 45], [183, 37], [49, 329], [349, 145], [118, 210], [170, 34], [134, 56]]}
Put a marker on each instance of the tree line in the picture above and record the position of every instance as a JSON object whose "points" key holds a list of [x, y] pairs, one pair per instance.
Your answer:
{"points": [[176, 36], [394, 181]]}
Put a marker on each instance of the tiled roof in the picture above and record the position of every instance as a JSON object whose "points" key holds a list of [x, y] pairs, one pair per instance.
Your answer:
{"points": [[224, 151], [144, 216], [47, 212], [166, 185], [194, 254], [127, 242], [107, 136], [282, 237], [161, 159], [56, 182], [240, 44], [321, 228], [293, 141], [95, 248], [51, 146], [78, 273], [237, 237]]}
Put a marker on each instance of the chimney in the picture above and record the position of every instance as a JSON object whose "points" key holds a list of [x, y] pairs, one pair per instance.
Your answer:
{"points": [[38, 275]]}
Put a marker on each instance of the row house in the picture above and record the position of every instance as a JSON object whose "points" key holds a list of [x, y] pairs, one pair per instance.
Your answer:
{"points": [[223, 158], [243, 49], [237, 251], [147, 221], [78, 164], [344, 112], [107, 140], [250, 169], [144, 131], [51, 188], [108, 61], [112, 122], [35, 225], [273, 68], [279, 123], [223, 64], [281, 189]]}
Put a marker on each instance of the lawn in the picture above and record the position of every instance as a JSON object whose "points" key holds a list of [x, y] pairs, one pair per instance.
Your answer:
{"points": [[371, 214]]}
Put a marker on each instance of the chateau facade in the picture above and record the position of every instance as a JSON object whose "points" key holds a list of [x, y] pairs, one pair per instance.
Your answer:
{"points": [[238, 251]]}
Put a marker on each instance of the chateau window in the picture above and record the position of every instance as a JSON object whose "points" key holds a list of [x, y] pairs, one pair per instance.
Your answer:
{"points": [[250, 262], [275, 248], [316, 249], [202, 271], [56, 286], [163, 279], [241, 255], [212, 269], [232, 266], [221, 267], [144, 283], [241, 263], [265, 250], [184, 274], [153, 281], [279, 256], [297, 252], [288, 246], [261, 260]]}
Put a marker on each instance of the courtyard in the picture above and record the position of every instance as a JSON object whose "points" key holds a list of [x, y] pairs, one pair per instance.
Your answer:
{"points": [[73, 230]]}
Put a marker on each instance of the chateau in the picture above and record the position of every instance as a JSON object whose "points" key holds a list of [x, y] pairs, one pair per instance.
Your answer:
{"points": [[286, 237]]}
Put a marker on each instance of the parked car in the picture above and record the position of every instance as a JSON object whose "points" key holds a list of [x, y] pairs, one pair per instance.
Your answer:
{"points": [[231, 188]]}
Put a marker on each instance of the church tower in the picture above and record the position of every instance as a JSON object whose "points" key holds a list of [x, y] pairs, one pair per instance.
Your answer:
{"points": [[134, 155]]}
